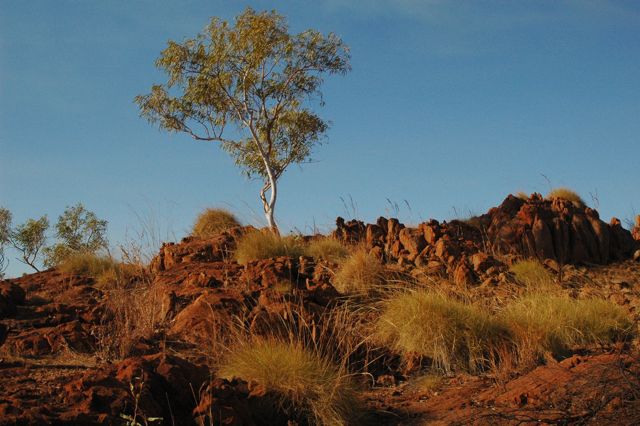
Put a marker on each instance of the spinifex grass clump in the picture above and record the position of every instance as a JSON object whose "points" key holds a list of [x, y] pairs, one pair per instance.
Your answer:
{"points": [[264, 245], [106, 271], [452, 334], [566, 194], [327, 248], [543, 323], [88, 264], [533, 275], [360, 273], [303, 384], [212, 222]]}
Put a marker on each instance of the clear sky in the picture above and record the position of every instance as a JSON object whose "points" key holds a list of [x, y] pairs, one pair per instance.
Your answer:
{"points": [[450, 106]]}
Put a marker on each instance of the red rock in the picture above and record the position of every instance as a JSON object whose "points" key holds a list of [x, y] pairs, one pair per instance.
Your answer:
{"points": [[412, 240]]}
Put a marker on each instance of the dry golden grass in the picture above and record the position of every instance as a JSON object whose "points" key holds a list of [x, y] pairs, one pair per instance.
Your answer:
{"points": [[566, 194], [264, 245], [304, 384], [212, 222], [88, 264], [452, 334], [522, 195], [532, 274], [360, 273], [327, 248], [543, 323], [135, 314]]}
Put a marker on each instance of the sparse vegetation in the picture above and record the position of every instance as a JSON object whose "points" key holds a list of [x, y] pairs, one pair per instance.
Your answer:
{"points": [[543, 323], [135, 314], [327, 248], [566, 194], [360, 273], [304, 384], [264, 245], [212, 222], [453, 335]]}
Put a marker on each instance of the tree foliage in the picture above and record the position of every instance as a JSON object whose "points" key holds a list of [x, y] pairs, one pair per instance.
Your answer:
{"points": [[255, 77], [29, 239], [5, 235], [78, 231]]}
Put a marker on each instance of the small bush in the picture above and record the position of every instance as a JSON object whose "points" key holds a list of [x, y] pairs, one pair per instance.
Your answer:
{"points": [[327, 248], [212, 222], [533, 274], [452, 334], [303, 384], [553, 324], [566, 194], [88, 264], [360, 273], [265, 245]]}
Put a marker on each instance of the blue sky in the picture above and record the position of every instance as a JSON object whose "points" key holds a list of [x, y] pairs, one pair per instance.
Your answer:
{"points": [[450, 106]]}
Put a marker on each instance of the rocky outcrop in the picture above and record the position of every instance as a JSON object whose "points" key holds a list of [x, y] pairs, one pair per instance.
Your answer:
{"points": [[556, 229], [156, 386], [453, 249], [194, 249]]}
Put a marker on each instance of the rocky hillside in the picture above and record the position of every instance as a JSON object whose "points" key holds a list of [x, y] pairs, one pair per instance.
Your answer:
{"points": [[146, 348]]}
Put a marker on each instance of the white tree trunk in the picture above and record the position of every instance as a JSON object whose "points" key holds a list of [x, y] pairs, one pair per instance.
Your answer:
{"points": [[269, 206]]}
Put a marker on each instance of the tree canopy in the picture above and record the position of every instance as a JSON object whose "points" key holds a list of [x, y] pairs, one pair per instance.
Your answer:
{"points": [[256, 78], [78, 231]]}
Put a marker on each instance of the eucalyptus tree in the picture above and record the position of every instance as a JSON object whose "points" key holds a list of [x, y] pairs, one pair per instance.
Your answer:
{"points": [[250, 87], [78, 231]]}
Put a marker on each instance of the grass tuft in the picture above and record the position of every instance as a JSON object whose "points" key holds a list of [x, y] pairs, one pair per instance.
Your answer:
{"points": [[452, 334], [533, 275], [265, 245], [304, 384], [328, 249], [566, 194], [360, 273], [553, 324], [88, 264], [212, 222]]}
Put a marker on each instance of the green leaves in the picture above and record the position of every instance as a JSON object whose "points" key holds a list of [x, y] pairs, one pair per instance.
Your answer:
{"points": [[29, 239], [254, 75], [78, 231]]}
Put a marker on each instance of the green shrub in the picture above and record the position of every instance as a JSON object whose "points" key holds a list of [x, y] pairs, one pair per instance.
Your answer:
{"points": [[265, 245], [553, 324], [533, 274], [360, 273], [304, 384], [327, 248], [212, 222], [452, 334], [566, 194]]}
